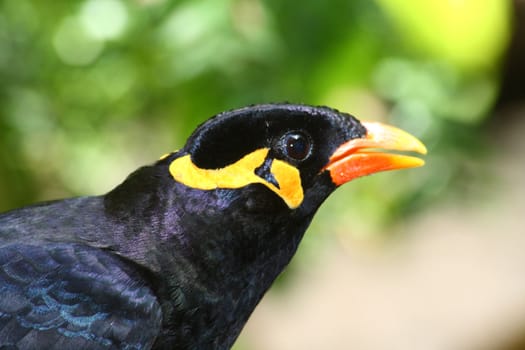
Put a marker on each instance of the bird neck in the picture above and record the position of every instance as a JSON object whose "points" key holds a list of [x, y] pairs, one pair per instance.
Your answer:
{"points": [[215, 251], [225, 260]]}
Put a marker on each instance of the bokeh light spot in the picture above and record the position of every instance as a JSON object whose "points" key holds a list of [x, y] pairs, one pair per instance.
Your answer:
{"points": [[73, 45], [104, 19]]}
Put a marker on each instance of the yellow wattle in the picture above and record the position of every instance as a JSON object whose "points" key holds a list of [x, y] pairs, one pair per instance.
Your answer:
{"points": [[240, 174]]}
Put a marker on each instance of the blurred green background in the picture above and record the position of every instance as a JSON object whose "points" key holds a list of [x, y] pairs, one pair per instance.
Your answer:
{"points": [[90, 90]]}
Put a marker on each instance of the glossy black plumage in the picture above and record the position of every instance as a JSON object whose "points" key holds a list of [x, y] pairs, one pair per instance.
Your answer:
{"points": [[69, 296], [156, 263]]}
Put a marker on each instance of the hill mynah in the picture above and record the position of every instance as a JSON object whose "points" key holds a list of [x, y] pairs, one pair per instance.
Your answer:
{"points": [[179, 254]]}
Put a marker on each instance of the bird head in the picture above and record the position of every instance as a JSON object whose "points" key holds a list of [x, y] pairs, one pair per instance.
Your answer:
{"points": [[220, 218], [295, 153]]}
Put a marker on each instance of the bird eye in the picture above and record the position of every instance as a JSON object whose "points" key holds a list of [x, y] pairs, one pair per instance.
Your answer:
{"points": [[296, 145]]}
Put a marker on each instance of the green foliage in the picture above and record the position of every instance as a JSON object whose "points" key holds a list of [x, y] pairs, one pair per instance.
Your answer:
{"points": [[89, 90]]}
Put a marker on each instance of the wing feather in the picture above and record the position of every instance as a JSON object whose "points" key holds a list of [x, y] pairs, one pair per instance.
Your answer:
{"points": [[70, 296]]}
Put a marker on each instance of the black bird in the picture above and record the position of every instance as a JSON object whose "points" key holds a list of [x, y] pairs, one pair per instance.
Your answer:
{"points": [[180, 253]]}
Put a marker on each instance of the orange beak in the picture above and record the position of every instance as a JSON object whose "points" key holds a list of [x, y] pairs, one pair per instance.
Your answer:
{"points": [[359, 157]]}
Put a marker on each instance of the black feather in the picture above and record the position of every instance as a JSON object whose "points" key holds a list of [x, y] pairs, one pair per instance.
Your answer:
{"points": [[154, 263]]}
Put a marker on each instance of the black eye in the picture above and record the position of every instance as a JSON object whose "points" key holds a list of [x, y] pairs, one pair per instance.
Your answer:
{"points": [[296, 145]]}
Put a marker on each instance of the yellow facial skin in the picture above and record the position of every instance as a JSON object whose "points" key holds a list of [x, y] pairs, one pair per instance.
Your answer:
{"points": [[240, 174]]}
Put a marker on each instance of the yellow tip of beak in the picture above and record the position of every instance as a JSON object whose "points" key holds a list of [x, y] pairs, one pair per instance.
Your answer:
{"points": [[390, 137]]}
